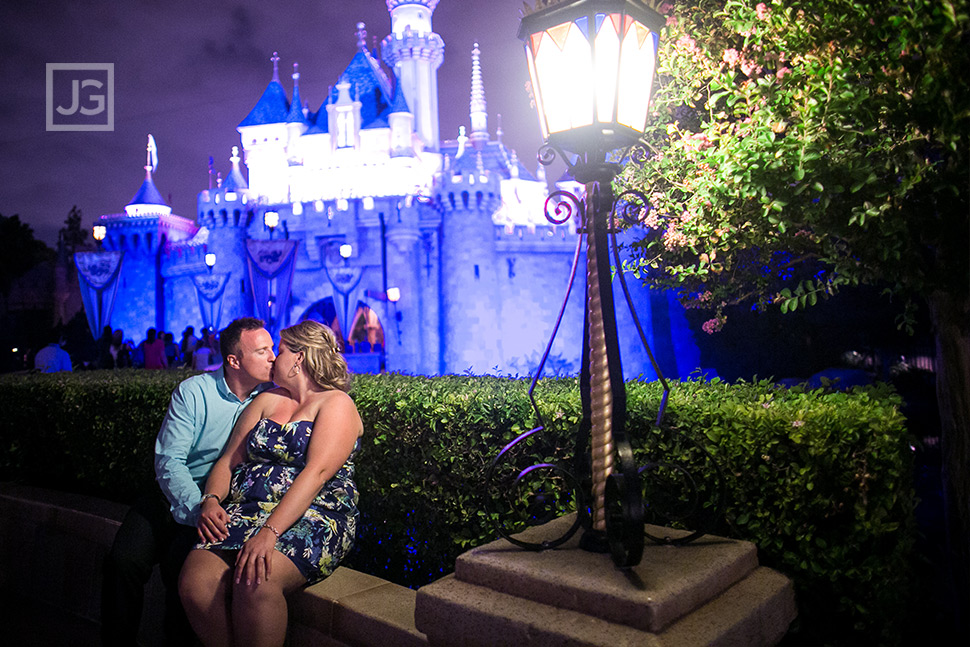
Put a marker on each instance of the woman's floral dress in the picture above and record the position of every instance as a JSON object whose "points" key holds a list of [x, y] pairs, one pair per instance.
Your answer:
{"points": [[275, 455]]}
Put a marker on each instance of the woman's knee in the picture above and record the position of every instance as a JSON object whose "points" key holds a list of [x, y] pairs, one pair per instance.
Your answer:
{"points": [[201, 576]]}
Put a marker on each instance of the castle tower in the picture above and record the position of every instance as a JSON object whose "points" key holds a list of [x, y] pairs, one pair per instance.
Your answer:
{"points": [[264, 138], [478, 112], [142, 233], [226, 212], [471, 305], [415, 52]]}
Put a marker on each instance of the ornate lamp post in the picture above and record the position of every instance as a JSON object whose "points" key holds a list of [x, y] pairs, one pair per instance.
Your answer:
{"points": [[592, 66]]}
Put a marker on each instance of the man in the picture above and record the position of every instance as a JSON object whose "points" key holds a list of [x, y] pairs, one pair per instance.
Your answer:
{"points": [[161, 530], [53, 358]]}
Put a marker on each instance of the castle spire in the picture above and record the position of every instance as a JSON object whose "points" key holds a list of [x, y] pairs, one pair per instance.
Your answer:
{"points": [[478, 112], [276, 66], [151, 155], [361, 36]]}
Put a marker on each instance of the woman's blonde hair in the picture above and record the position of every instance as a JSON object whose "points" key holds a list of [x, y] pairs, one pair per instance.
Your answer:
{"points": [[321, 353]]}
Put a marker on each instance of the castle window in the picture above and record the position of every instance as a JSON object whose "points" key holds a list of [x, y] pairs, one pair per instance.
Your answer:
{"points": [[345, 129]]}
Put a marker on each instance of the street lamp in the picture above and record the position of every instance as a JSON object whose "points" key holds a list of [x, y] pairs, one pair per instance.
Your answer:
{"points": [[99, 232], [592, 65], [210, 261], [271, 219]]}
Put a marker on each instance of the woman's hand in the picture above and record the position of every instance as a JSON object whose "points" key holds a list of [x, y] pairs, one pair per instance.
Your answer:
{"points": [[253, 561], [212, 521]]}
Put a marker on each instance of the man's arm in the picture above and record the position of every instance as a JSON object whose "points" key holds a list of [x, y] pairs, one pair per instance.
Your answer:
{"points": [[179, 432]]}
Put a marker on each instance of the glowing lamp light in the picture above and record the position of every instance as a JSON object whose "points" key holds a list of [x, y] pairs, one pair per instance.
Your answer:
{"points": [[368, 203], [297, 208], [346, 251], [343, 204], [393, 294], [592, 66], [231, 196], [99, 232], [271, 219], [210, 260]]}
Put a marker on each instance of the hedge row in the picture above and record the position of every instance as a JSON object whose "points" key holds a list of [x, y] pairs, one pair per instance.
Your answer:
{"points": [[820, 481]]}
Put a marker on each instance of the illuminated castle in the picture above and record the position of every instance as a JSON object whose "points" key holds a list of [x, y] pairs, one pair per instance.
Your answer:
{"points": [[427, 256]]}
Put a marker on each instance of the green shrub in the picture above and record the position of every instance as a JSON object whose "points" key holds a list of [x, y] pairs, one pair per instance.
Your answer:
{"points": [[820, 481]]}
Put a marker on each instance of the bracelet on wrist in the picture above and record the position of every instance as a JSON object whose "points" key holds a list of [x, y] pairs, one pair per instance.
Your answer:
{"points": [[210, 495], [272, 529]]}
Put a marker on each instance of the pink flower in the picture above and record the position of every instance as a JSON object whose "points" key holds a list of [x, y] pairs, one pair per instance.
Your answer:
{"points": [[782, 72], [797, 423], [731, 57], [711, 326], [665, 8], [762, 10], [671, 21]]}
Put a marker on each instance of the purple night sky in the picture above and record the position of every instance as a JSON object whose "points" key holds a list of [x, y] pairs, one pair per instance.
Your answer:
{"points": [[188, 72]]}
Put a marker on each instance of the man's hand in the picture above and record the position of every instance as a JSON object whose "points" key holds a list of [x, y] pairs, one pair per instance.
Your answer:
{"points": [[212, 521]]}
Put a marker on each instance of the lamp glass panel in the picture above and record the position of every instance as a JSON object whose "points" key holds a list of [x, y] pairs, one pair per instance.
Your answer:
{"points": [[563, 67], [536, 94], [638, 59], [607, 48]]}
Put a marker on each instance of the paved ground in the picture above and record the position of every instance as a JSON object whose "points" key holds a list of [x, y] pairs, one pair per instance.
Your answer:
{"points": [[30, 624]]}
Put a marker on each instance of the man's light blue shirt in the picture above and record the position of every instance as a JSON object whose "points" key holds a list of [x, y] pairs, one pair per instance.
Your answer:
{"points": [[200, 418]]}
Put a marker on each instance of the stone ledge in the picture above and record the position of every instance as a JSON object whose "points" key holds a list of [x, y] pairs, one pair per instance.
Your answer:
{"points": [[69, 536]]}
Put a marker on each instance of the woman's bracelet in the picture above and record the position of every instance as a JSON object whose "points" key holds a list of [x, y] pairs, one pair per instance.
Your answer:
{"points": [[274, 530], [210, 495]]}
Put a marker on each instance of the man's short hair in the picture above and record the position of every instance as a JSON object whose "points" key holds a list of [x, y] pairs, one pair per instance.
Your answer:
{"points": [[229, 337]]}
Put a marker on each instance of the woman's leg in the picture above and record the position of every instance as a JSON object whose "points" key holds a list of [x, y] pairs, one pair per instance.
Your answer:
{"points": [[259, 611], [204, 586]]}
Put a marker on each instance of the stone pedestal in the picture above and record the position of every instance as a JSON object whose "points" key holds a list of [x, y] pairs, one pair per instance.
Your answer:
{"points": [[709, 592]]}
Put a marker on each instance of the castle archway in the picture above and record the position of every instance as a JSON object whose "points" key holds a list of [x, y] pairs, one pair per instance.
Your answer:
{"points": [[366, 331]]}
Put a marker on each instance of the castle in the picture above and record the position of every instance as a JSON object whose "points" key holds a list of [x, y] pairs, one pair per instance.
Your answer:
{"points": [[427, 256]]}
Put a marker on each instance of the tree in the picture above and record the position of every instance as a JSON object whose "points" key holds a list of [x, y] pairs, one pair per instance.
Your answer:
{"points": [[19, 250], [798, 147], [71, 236]]}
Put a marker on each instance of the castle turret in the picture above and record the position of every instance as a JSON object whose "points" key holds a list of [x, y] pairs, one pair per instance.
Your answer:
{"points": [[264, 138], [226, 212], [470, 301], [415, 52]]}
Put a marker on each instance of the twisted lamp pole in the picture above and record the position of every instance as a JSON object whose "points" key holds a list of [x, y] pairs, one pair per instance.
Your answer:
{"points": [[592, 65]]}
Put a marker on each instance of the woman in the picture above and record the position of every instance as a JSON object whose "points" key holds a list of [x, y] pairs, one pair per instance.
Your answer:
{"points": [[291, 504]]}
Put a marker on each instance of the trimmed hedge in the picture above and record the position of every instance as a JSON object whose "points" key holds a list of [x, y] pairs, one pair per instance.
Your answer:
{"points": [[820, 481]]}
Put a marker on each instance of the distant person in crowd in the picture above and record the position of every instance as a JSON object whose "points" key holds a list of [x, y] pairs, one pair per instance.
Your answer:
{"points": [[119, 353], [161, 527], [104, 348], [187, 345], [171, 350], [280, 505], [201, 356], [153, 349], [53, 358], [136, 353]]}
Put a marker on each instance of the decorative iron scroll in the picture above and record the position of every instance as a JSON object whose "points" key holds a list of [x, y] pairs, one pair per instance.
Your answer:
{"points": [[523, 491]]}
